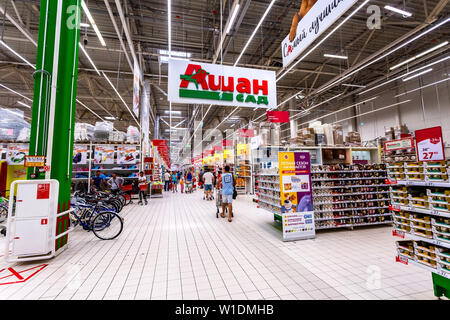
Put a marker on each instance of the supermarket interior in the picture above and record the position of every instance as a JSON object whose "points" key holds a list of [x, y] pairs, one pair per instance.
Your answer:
{"points": [[224, 150]]}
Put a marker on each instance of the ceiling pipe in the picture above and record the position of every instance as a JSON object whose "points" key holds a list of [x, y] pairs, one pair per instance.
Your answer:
{"points": [[18, 26], [122, 44], [223, 32]]}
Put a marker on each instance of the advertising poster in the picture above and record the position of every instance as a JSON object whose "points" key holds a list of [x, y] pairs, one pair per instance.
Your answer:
{"points": [[278, 116], [430, 145], [241, 149], [80, 154], [126, 155], [297, 208], [104, 155], [15, 154], [136, 87]]}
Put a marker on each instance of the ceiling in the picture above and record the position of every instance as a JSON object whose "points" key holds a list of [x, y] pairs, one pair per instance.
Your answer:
{"points": [[195, 29]]}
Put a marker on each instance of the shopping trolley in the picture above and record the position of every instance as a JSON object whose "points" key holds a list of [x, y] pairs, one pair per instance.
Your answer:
{"points": [[219, 202]]}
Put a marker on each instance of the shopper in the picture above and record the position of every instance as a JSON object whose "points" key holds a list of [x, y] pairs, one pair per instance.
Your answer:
{"points": [[174, 182], [182, 184], [142, 180], [227, 181], [98, 180], [114, 183], [208, 179], [166, 181]]}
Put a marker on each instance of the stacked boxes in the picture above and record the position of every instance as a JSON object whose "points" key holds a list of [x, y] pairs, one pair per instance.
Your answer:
{"points": [[353, 138]]}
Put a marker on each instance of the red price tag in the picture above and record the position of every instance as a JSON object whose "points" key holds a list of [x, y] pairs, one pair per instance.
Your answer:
{"points": [[394, 208], [397, 233], [401, 259]]}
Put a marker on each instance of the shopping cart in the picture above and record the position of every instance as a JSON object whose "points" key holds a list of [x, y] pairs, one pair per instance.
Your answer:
{"points": [[219, 202], [188, 186]]}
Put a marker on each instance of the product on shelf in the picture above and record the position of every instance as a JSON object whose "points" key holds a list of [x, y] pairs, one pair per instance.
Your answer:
{"points": [[13, 126], [102, 130]]}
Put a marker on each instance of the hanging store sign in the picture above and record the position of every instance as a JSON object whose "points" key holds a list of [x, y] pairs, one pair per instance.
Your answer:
{"points": [[247, 133], [136, 87], [430, 145], [227, 143], [241, 149], [34, 161], [407, 143], [193, 82], [297, 208], [318, 19], [278, 116]]}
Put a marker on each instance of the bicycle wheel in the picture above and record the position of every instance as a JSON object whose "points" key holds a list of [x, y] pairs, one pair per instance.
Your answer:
{"points": [[107, 225], [128, 198], [122, 199]]}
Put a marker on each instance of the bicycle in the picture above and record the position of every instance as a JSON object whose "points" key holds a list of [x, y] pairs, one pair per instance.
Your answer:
{"points": [[4, 205], [101, 220]]}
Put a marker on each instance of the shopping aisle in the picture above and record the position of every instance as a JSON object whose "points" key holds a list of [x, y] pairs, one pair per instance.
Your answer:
{"points": [[176, 248]]}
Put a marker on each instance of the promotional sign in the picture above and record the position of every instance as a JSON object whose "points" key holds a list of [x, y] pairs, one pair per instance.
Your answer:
{"points": [[246, 133], [104, 155], [278, 116], [80, 154], [255, 142], [136, 86], [430, 145], [34, 161], [126, 155], [228, 154], [241, 149], [15, 154], [407, 143], [193, 82], [297, 208], [317, 19], [145, 118], [227, 143]]}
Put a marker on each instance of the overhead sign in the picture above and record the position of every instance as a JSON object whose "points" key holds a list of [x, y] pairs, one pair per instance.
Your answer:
{"points": [[278, 116], [136, 87], [430, 145], [406, 143], [318, 19], [297, 208], [193, 82], [34, 161], [248, 133]]}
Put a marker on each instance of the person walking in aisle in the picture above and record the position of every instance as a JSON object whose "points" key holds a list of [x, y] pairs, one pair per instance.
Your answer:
{"points": [[182, 184], [227, 181], [208, 178], [174, 182], [142, 180], [166, 181]]}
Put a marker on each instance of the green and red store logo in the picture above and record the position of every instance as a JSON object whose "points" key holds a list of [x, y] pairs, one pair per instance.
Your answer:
{"points": [[209, 86]]}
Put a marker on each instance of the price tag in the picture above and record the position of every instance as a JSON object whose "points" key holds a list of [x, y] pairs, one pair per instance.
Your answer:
{"points": [[401, 259], [397, 233]]}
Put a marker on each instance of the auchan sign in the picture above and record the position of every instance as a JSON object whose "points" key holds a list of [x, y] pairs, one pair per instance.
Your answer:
{"points": [[193, 82]]}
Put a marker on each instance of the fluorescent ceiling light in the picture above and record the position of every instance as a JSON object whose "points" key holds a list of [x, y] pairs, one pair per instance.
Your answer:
{"points": [[13, 91], [110, 118], [254, 31], [417, 75], [173, 117], [84, 25], [386, 54], [335, 56], [89, 58], [91, 20], [423, 87], [419, 55], [164, 55], [352, 85], [403, 75], [233, 16], [402, 12], [17, 54], [23, 104], [172, 112], [322, 40]]}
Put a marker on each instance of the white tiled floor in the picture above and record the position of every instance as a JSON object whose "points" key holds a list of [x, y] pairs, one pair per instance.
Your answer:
{"points": [[176, 248]]}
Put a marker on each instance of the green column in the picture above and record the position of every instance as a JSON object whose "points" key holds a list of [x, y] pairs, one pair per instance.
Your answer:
{"points": [[58, 38]]}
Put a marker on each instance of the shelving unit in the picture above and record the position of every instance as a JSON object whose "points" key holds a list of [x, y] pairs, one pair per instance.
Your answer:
{"points": [[422, 219]]}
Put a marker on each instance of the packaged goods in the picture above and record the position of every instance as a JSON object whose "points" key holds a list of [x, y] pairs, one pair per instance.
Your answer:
{"points": [[338, 134], [83, 132], [11, 125], [102, 130], [133, 135]]}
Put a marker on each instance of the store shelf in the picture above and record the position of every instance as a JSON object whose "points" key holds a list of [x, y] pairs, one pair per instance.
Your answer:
{"points": [[353, 201], [354, 217], [272, 182], [349, 194], [270, 203], [351, 186], [348, 171], [355, 225], [421, 265], [350, 209]]}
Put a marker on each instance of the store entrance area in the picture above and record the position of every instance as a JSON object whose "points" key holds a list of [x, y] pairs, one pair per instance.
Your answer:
{"points": [[175, 248]]}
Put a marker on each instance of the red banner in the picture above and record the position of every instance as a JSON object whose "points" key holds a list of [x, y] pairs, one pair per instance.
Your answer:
{"points": [[159, 143], [278, 116], [246, 133], [227, 143], [217, 148]]}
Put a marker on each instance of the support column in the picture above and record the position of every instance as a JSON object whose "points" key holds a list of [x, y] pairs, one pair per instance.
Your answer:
{"points": [[53, 113]]}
